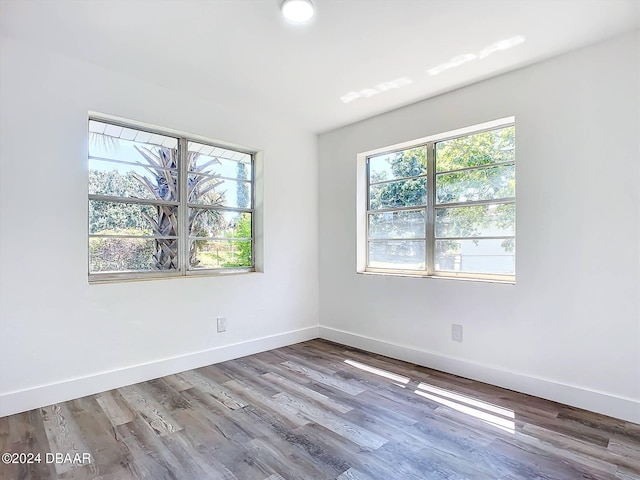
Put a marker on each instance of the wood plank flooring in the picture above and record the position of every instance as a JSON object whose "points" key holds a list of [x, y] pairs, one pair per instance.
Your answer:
{"points": [[318, 410]]}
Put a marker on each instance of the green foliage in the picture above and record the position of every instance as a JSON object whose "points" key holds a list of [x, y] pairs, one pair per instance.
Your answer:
{"points": [[228, 253], [242, 254], [111, 216], [408, 163], [120, 254], [404, 193], [484, 148], [476, 150], [399, 224], [207, 223], [112, 182], [481, 184]]}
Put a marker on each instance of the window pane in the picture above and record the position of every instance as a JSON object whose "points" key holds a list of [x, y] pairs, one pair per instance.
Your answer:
{"points": [[212, 160], [131, 254], [477, 220], [389, 166], [111, 218], [219, 192], [216, 223], [476, 256], [475, 150], [404, 193], [482, 184], [220, 253], [122, 180], [397, 254], [403, 224]]}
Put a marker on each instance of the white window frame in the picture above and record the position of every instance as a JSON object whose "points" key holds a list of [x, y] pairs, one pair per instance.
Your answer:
{"points": [[362, 206], [183, 237]]}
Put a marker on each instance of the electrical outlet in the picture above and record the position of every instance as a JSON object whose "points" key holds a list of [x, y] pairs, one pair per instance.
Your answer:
{"points": [[456, 333], [222, 324]]}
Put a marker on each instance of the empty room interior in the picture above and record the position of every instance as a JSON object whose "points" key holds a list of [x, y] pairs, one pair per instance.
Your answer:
{"points": [[320, 239]]}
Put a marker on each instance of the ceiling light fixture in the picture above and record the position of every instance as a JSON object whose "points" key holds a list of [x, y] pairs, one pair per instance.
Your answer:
{"points": [[297, 11]]}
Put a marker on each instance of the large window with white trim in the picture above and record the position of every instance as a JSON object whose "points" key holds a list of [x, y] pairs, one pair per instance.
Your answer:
{"points": [[163, 205], [444, 207]]}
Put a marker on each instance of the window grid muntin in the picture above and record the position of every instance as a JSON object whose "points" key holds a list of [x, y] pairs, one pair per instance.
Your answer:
{"points": [[475, 167], [123, 162], [431, 201], [183, 237], [399, 179], [430, 208], [183, 225]]}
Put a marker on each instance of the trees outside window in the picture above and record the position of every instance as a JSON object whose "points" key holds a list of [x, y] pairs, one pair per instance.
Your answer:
{"points": [[163, 205], [444, 207]]}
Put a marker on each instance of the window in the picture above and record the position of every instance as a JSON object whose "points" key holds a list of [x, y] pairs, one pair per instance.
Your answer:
{"points": [[163, 205], [443, 207]]}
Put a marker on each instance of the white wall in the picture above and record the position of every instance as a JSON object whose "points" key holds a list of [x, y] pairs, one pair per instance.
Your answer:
{"points": [[54, 327], [569, 329]]}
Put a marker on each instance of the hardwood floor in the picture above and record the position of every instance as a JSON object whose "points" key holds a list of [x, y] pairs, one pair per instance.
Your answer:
{"points": [[317, 410]]}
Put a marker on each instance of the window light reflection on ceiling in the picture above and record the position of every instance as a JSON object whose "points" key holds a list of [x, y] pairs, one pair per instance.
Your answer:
{"points": [[379, 88], [484, 53]]}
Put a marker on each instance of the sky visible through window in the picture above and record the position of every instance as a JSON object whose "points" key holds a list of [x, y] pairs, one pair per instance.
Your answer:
{"points": [[125, 151]]}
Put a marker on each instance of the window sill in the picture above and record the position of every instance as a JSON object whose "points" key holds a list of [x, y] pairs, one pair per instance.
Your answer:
{"points": [[101, 278], [466, 278]]}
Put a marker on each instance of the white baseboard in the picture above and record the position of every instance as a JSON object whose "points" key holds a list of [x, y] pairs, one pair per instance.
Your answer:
{"points": [[619, 407], [23, 400], [28, 399]]}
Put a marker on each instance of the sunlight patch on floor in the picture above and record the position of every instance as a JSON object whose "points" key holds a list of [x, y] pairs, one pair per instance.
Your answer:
{"points": [[494, 415], [378, 371], [461, 403]]}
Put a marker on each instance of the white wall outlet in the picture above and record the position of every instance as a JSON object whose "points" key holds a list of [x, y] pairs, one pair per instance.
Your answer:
{"points": [[222, 324], [456, 333]]}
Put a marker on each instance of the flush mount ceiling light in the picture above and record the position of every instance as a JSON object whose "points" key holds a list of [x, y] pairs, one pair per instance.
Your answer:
{"points": [[297, 11]]}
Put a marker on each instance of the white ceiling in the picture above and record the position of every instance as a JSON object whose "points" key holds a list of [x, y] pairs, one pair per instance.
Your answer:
{"points": [[242, 51]]}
